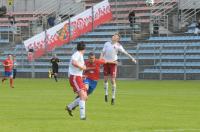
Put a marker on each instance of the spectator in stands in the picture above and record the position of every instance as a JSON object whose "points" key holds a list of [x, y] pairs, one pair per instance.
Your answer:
{"points": [[155, 28], [51, 21], [3, 10], [131, 18], [197, 29], [11, 19], [12, 22]]}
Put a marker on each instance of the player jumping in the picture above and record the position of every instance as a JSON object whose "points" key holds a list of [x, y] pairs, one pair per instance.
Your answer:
{"points": [[109, 53]]}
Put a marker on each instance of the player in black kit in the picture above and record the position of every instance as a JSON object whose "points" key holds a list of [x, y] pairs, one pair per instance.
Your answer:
{"points": [[54, 62]]}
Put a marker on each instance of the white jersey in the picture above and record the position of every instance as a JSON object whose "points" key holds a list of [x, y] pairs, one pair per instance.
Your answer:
{"points": [[110, 51], [78, 57]]}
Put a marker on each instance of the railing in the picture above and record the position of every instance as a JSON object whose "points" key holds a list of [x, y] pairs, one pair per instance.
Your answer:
{"points": [[164, 7], [58, 9], [179, 65], [188, 12], [158, 22], [159, 15]]}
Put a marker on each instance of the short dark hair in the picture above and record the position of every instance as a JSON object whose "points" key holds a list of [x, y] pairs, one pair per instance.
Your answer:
{"points": [[91, 54], [80, 46], [30, 50]]}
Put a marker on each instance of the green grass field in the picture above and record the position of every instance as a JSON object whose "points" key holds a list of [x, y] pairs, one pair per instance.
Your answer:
{"points": [[37, 105]]}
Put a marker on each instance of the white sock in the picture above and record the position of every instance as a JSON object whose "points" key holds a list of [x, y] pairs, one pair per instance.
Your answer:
{"points": [[113, 91], [82, 108], [106, 88], [74, 103]]}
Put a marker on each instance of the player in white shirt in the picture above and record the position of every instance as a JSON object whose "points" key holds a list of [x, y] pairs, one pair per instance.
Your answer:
{"points": [[76, 68], [109, 53]]}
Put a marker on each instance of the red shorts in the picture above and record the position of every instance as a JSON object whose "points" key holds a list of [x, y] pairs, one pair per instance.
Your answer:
{"points": [[110, 69], [76, 83]]}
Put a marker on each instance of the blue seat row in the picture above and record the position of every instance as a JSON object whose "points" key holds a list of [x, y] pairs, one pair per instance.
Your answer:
{"points": [[176, 38], [193, 44], [172, 71], [4, 40], [192, 64]]}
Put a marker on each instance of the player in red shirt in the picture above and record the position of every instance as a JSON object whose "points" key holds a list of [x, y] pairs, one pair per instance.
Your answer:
{"points": [[8, 68], [92, 71]]}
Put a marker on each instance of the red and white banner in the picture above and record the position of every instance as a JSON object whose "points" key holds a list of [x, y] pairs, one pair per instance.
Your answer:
{"points": [[64, 32]]}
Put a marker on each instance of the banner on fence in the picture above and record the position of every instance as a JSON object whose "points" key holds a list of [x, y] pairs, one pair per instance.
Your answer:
{"points": [[69, 30]]}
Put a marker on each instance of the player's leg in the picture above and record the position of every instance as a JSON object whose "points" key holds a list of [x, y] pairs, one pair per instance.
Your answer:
{"points": [[92, 86], [5, 76], [77, 83], [11, 80], [3, 79], [83, 97], [113, 81], [55, 73], [52, 72], [14, 73], [75, 103], [71, 105], [86, 82], [106, 88], [106, 73], [55, 77], [49, 73]]}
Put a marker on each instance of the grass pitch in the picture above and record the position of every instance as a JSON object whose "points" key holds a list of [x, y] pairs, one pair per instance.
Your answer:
{"points": [[37, 105]]}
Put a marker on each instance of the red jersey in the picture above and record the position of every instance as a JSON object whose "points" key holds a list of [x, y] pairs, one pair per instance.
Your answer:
{"points": [[93, 69], [8, 65]]}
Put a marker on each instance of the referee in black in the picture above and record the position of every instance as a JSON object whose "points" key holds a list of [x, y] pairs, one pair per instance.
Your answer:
{"points": [[54, 62]]}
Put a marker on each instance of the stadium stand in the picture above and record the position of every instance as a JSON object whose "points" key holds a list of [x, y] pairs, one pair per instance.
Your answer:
{"points": [[177, 59]]}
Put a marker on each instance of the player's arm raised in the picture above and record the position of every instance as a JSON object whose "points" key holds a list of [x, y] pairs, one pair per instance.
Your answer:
{"points": [[132, 58], [121, 49]]}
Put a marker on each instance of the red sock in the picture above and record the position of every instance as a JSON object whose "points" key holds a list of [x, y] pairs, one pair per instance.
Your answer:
{"points": [[11, 82]]}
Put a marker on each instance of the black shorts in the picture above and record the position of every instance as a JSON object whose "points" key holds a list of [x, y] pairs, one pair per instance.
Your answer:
{"points": [[55, 70]]}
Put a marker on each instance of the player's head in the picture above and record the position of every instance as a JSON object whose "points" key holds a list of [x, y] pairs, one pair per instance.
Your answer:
{"points": [[10, 56], [91, 57], [116, 37], [80, 46]]}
